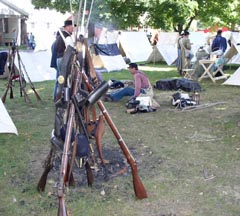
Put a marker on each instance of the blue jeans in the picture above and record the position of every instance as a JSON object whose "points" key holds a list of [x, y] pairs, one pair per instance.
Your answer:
{"points": [[127, 91], [178, 57], [56, 84]]}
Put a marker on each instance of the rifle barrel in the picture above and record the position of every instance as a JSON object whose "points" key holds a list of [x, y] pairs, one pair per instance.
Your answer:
{"points": [[64, 164], [139, 188]]}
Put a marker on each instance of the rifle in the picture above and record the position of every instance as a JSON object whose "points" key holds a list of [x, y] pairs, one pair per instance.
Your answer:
{"points": [[139, 189], [9, 86], [22, 81], [76, 76], [10, 78], [48, 166], [29, 80], [80, 117]]}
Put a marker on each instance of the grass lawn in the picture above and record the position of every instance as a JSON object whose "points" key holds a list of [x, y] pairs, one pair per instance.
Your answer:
{"points": [[189, 161]]}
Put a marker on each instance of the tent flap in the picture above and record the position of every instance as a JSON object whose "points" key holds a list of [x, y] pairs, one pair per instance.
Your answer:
{"points": [[6, 123]]}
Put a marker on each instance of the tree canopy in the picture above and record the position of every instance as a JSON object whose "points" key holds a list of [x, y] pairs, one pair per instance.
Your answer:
{"points": [[168, 15]]}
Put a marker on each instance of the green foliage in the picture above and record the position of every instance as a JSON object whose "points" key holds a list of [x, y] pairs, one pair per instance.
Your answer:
{"points": [[120, 14], [221, 13], [168, 15], [172, 15]]}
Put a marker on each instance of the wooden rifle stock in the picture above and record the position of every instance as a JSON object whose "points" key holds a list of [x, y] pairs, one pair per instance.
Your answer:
{"points": [[11, 92], [62, 210], [139, 188], [64, 164], [5, 95], [70, 123], [48, 166], [9, 86]]}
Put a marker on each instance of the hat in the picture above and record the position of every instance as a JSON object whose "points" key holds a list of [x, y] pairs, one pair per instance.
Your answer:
{"points": [[133, 65], [186, 33], [68, 23], [219, 32]]}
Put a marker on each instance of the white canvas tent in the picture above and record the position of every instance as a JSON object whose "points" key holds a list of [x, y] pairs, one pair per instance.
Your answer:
{"points": [[107, 54], [234, 79], [6, 123], [167, 46], [135, 46], [37, 65], [235, 40], [155, 56], [232, 53], [197, 39]]}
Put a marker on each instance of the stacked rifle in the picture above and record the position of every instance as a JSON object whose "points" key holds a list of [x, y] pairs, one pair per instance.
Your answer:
{"points": [[78, 92], [17, 74]]}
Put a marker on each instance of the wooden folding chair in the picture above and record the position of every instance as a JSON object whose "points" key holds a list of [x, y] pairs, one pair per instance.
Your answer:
{"points": [[218, 63], [209, 71], [207, 65], [188, 73]]}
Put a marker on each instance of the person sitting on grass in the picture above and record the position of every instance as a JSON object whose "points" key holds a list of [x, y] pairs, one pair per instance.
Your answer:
{"points": [[141, 84], [142, 87]]}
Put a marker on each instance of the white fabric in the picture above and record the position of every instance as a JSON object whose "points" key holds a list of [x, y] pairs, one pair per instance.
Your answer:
{"points": [[234, 79], [144, 100], [6, 123], [167, 46], [135, 45], [113, 63], [37, 65], [150, 93], [108, 37], [110, 63], [197, 39]]}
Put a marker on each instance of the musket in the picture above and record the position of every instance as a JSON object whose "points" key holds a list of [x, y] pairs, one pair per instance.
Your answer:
{"points": [[6, 91], [62, 211], [29, 80], [83, 126], [139, 188], [48, 166], [9, 86], [21, 80], [10, 78]]}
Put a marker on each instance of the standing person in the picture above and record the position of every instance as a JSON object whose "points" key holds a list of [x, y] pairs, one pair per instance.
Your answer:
{"points": [[63, 41], [219, 42], [155, 39], [184, 60], [179, 51], [31, 41], [142, 85], [53, 63]]}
